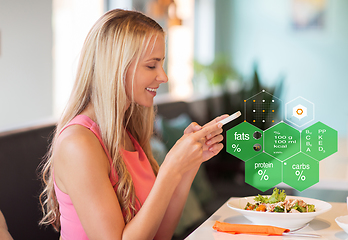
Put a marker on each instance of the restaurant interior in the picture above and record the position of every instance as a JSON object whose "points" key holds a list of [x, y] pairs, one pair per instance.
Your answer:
{"points": [[219, 53]]}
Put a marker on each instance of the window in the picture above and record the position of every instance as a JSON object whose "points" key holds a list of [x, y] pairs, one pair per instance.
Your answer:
{"points": [[72, 19]]}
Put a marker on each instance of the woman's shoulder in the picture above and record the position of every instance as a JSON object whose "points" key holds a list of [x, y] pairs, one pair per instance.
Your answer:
{"points": [[75, 137], [76, 153]]}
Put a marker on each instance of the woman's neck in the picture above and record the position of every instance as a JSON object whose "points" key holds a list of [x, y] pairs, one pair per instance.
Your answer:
{"points": [[89, 112], [126, 142]]}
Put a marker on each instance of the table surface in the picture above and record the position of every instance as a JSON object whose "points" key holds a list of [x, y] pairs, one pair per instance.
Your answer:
{"points": [[323, 225]]}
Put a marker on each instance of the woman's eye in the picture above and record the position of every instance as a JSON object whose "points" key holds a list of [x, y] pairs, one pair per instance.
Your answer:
{"points": [[151, 67]]}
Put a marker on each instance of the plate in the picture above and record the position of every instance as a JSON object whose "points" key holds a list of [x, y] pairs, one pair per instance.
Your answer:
{"points": [[342, 221], [284, 220]]}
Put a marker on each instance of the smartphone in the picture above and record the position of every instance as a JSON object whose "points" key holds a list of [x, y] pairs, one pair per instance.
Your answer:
{"points": [[230, 118]]}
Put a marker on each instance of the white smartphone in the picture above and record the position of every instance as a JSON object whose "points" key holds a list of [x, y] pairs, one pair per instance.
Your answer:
{"points": [[230, 118]]}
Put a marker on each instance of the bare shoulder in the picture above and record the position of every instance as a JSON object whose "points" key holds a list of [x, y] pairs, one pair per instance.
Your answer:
{"points": [[77, 153], [74, 139]]}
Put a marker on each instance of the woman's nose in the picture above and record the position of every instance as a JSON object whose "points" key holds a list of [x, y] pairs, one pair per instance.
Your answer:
{"points": [[162, 76]]}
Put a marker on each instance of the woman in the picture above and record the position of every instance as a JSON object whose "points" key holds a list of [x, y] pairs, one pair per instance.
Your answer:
{"points": [[101, 180]]}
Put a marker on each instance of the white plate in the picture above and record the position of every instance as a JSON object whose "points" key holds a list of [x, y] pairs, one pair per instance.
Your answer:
{"points": [[284, 220], [342, 221]]}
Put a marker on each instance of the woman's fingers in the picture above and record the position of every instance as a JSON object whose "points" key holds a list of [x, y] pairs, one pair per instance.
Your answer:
{"points": [[212, 151], [217, 119], [207, 131], [216, 148], [213, 134], [193, 127], [214, 140]]}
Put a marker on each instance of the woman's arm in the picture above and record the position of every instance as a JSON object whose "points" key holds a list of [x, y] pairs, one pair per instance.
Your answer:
{"points": [[82, 170], [187, 152], [179, 197], [176, 206]]}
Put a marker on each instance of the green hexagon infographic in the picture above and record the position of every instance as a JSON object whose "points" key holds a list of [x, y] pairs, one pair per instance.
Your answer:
{"points": [[280, 153], [300, 171], [263, 172], [282, 141], [319, 141], [244, 141]]}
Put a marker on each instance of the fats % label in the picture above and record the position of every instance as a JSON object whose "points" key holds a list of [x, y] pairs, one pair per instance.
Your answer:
{"points": [[236, 148]]}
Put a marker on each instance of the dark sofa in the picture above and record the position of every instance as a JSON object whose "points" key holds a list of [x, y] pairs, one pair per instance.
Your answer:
{"points": [[21, 152]]}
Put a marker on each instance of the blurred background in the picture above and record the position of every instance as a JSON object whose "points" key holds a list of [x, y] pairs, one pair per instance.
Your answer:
{"points": [[219, 52]]}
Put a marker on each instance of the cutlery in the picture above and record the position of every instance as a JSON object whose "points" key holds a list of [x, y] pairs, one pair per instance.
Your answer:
{"points": [[292, 233], [302, 235]]}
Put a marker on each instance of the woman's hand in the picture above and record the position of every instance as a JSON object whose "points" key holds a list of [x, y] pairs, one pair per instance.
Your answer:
{"points": [[212, 141], [198, 144]]}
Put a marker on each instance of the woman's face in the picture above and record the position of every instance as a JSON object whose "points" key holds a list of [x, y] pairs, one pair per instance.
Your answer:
{"points": [[149, 73]]}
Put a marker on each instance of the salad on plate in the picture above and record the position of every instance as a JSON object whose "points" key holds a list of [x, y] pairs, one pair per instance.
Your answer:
{"points": [[277, 202]]}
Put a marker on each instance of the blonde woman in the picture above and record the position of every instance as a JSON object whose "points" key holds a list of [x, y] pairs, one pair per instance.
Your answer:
{"points": [[101, 180]]}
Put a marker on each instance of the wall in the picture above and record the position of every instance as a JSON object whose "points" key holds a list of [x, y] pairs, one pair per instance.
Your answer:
{"points": [[314, 62], [25, 62]]}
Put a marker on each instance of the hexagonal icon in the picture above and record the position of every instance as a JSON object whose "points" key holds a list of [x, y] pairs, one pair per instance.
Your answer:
{"points": [[263, 172], [282, 141], [299, 111], [319, 141], [244, 141], [300, 171], [263, 110]]}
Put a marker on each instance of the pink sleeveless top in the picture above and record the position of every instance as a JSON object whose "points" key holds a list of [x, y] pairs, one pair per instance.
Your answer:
{"points": [[138, 166]]}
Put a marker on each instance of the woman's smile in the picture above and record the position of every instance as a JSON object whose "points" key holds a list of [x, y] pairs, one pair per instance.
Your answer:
{"points": [[152, 91]]}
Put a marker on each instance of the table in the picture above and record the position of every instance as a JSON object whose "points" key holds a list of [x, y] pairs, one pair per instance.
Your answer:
{"points": [[323, 225]]}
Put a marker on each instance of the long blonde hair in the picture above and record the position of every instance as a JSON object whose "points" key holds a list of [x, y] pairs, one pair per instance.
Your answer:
{"points": [[117, 39]]}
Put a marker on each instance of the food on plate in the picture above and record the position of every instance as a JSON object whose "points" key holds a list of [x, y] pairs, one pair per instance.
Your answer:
{"points": [[277, 202]]}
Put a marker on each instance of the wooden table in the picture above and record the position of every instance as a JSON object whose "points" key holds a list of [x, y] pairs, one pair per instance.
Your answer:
{"points": [[323, 225]]}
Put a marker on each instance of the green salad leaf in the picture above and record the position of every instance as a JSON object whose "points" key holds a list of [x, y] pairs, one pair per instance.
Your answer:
{"points": [[311, 208], [299, 208], [277, 196], [261, 199], [279, 209]]}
